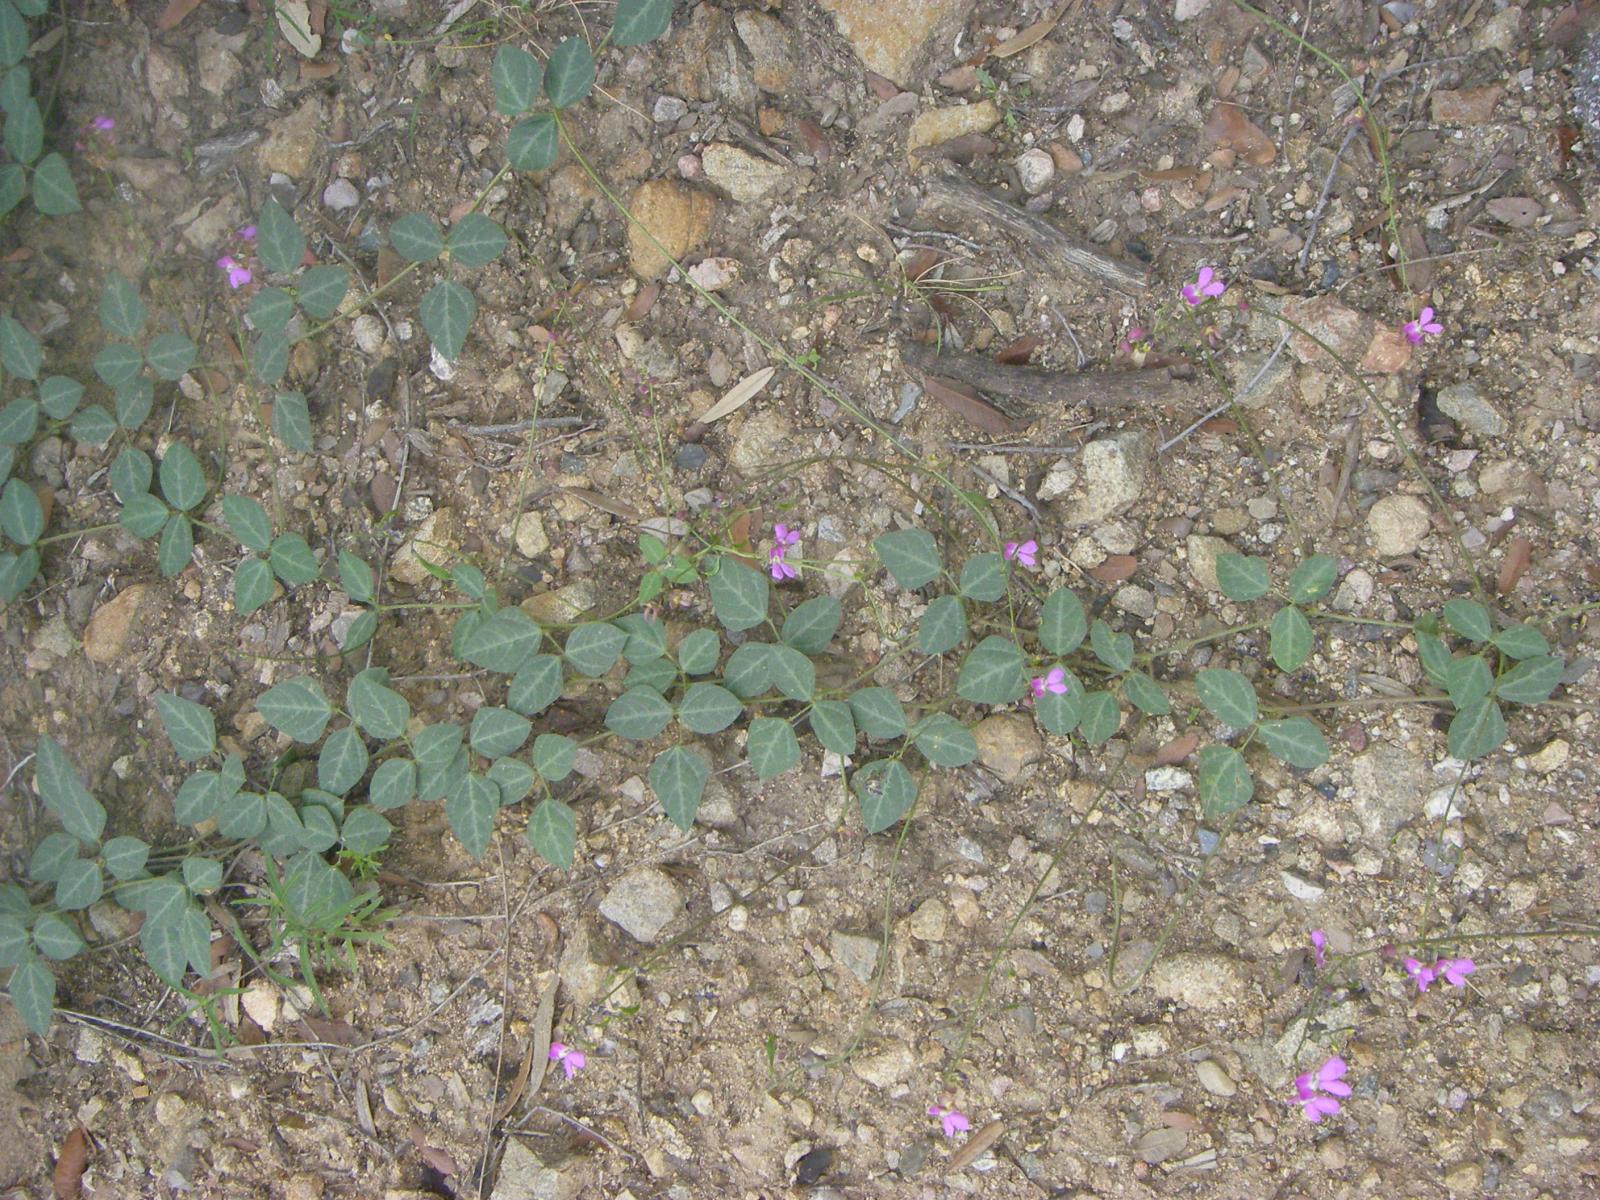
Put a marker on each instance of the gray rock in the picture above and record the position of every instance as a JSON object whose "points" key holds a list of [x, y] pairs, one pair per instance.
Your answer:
{"points": [[1214, 1079], [690, 457], [1007, 745], [1205, 981], [1397, 525], [857, 954], [1203, 550], [524, 1176], [1586, 91], [1116, 471], [1035, 169], [669, 110], [340, 195], [1470, 410], [1388, 785], [885, 1069], [743, 175], [643, 903], [761, 441], [1546, 1105]]}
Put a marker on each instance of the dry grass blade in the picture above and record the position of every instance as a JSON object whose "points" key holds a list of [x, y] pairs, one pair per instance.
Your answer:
{"points": [[738, 396], [1033, 33], [976, 1145]]}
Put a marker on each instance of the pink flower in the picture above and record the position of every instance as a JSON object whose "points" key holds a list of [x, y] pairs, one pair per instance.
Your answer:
{"points": [[783, 538], [1319, 944], [954, 1122], [1205, 284], [572, 1061], [1454, 971], [1423, 326], [103, 124], [1423, 975], [238, 273], [1055, 682], [1316, 1090], [247, 233], [1026, 553]]}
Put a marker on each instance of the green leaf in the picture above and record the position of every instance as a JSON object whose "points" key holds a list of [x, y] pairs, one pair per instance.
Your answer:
{"points": [[647, 638], [131, 474], [343, 761], [14, 902], [792, 672], [357, 579], [1478, 729], [516, 76], [31, 8], [708, 708], [475, 240], [1062, 622], [182, 481], [51, 856], [984, 577], [811, 626], [17, 571], [944, 741], [25, 131], [316, 893], [20, 352], [121, 311], [18, 421], [282, 833], [13, 45], [1469, 618], [437, 745], [117, 363], [54, 193], [514, 778], [321, 290], [93, 425], [1467, 679], [14, 947], [469, 581], [885, 791], [377, 708], [190, 727], [771, 746], [640, 21], [834, 726], [291, 559], [911, 556], [201, 875], [33, 993], [748, 672], [1434, 655], [270, 358], [63, 793], [678, 778], [593, 648], [125, 857], [14, 186], [447, 311], [21, 515], [143, 516], [497, 732], [1242, 577], [177, 545], [943, 626], [243, 816], [553, 832], [364, 831], [1312, 578], [470, 809], [1112, 648], [1228, 696], [279, 242], [394, 784], [1098, 717], [536, 686], [249, 522], [569, 75], [504, 642], [533, 145], [1223, 781], [291, 421], [1531, 681], [253, 585], [1296, 741], [1145, 694], [698, 651], [1060, 712], [1291, 638], [1521, 641], [296, 707], [639, 714], [270, 310], [80, 885], [878, 713], [992, 672], [554, 755], [199, 798], [416, 238], [738, 595], [16, 86], [58, 396], [170, 355], [56, 938]]}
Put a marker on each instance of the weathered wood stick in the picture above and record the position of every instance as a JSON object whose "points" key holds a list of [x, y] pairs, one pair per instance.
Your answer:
{"points": [[1033, 391], [1038, 235]]}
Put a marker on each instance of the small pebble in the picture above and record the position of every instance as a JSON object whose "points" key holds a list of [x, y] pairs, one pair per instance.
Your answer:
{"points": [[340, 195]]}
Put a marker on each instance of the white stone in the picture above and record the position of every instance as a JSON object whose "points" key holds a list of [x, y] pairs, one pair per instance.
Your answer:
{"points": [[1301, 888], [341, 194], [1035, 168]]}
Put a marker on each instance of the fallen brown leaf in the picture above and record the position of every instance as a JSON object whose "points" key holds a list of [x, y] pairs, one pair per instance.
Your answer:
{"points": [[919, 263], [605, 504], [738, 396], [1115, 568], [1175, 751], [966, 404], [340, 1033], [976, 1145], [310, 72], [70, 1163], [1519, 556], [961, 149], [1227, 127], [1019, 351], [882, 87], [1030, 35], [437, 1158], [174, 13], [641, 304]]}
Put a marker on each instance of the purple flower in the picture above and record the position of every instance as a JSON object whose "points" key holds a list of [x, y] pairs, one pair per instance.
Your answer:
{"points": [[1423, 326], [1454, 971], [1423, 975], [247, 233], [238, 273], [1319, 944], [1205, 284], [1055, 682], [782, 539], [1316, 1090], [1026, 553], [103, 124], [572, 1061], [954, 1122]]}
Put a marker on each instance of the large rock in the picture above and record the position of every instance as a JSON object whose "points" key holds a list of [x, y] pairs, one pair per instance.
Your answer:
{"points": [[1205, 981], [1203, 550], [771, 49], [435, 540], [292, 142], [1115, 472], [1464, 403], [888, 36], [107, 635], [744, 176], [643, 903], [678, 217], [524, 1176], [938, 125], [1007, 744], [764, 438], [1388, 786], [1397, 525]]}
